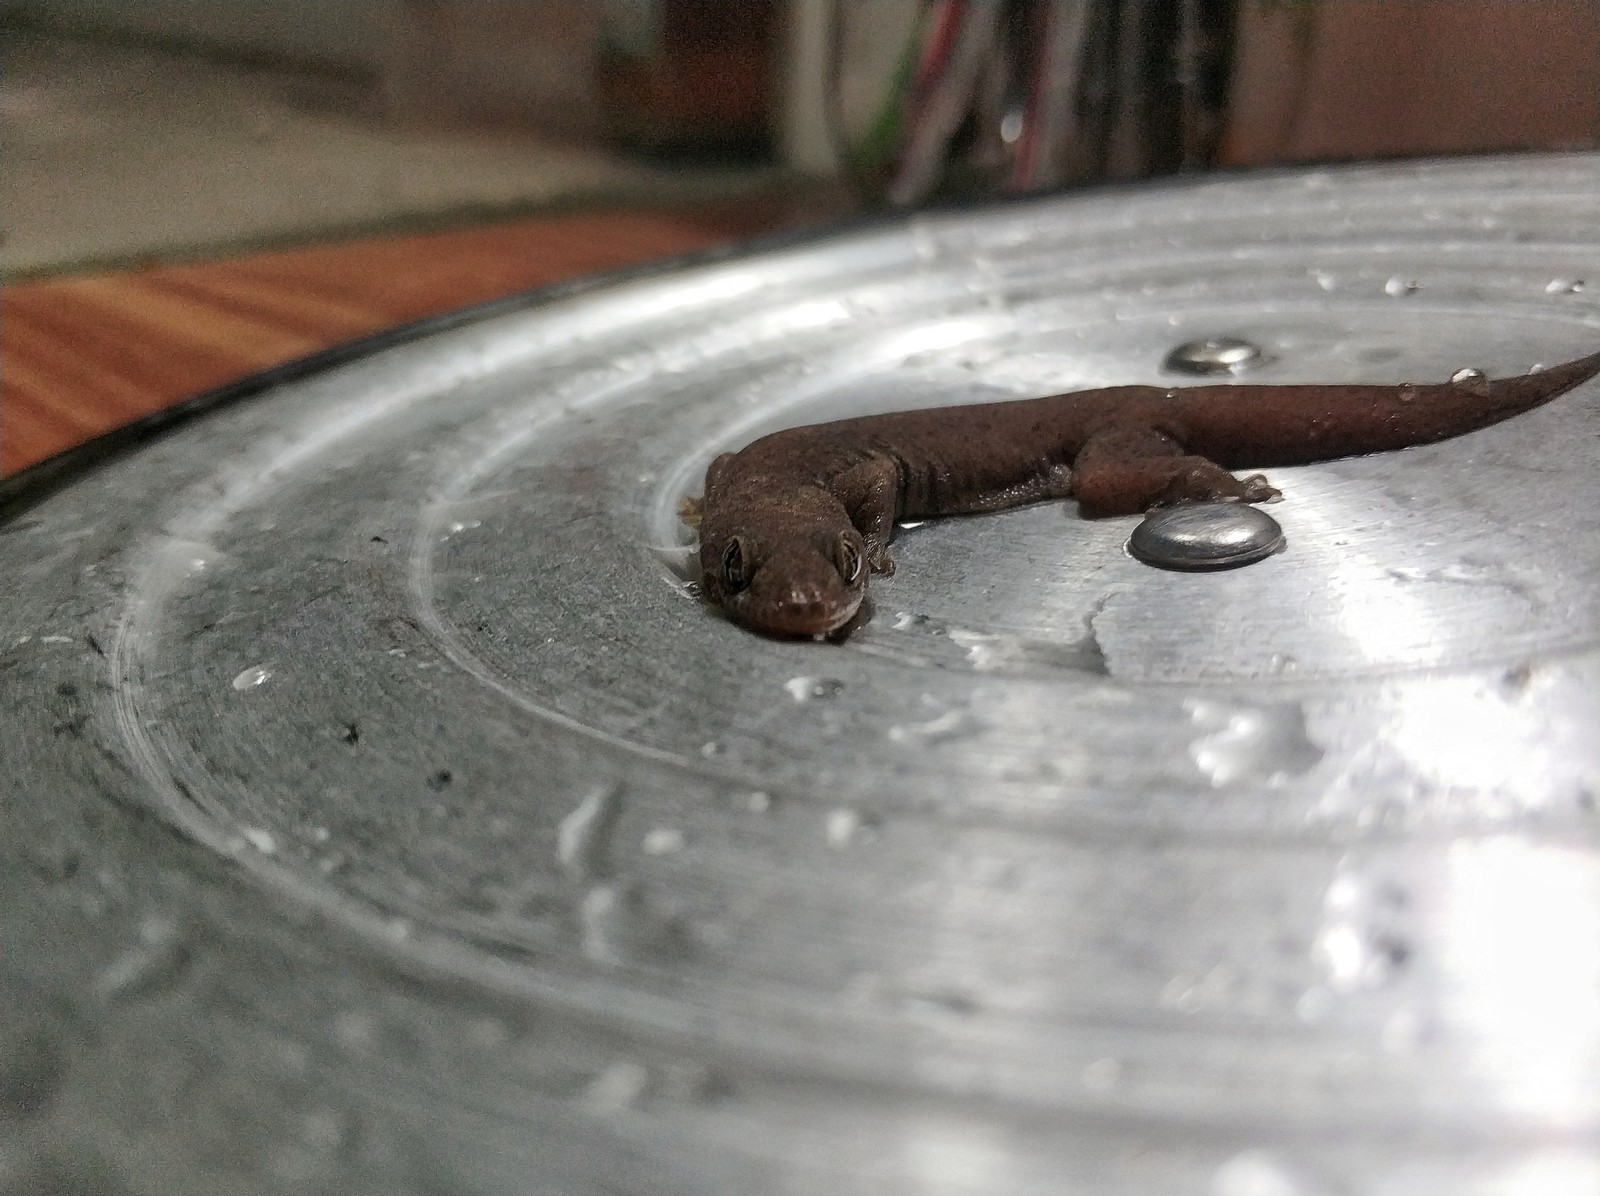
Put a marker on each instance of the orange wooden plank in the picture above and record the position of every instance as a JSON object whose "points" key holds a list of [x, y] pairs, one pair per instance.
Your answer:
{"points": [[83, 354]]}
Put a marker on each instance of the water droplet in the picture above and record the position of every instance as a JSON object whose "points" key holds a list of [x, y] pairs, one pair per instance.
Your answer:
{"points": [[1564, 286], [251, 677], [1213, 356], [581, 837], [617, 1088], [1398, 287], [1467, 376], [462, 527], [1362, 944], [1313, 1005], [711, 748], [663, 840], [1253, 1173], [1325, 280], [157, 959], [758, 802], [617, 928], [809, 689], [1250, 743], [949, 725], [1102, 1074], [1188, 993], [260, 839], [354, 1030], [1011, 126], [842, 825], [55, 639]]}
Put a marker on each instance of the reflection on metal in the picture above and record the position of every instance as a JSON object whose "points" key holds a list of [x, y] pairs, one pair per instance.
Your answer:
{"points": [[384, 816], [1216, 535]]}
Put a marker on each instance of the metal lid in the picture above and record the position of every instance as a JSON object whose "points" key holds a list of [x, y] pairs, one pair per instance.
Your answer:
{"points": [[392, 818]]}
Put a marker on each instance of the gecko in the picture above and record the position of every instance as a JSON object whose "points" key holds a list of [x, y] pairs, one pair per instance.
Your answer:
{"points": [[792, 525]]}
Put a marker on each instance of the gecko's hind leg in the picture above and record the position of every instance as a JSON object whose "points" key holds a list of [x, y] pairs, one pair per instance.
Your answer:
{"points": [[1125, 470]]}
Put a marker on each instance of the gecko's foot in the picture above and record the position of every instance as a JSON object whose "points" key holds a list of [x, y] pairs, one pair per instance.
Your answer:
{"points": [[880, 563], [1205, 482], [1254, 488], [689, 510]]}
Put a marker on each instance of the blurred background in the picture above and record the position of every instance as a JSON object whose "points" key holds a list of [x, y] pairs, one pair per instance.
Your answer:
{"points": [[184, 126], [471, 148]]}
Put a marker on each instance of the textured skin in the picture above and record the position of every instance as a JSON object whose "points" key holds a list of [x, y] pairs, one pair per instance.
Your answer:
{"points": [[787, 521]]}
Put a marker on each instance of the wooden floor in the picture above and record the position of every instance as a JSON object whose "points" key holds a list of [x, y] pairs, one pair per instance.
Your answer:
{"points": [[84, 354]]}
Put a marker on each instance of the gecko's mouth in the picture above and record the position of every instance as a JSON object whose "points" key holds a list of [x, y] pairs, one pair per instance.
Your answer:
{"points": [[811, 618]]}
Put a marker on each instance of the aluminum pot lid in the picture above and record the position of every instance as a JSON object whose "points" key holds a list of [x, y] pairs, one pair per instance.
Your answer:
{"points": [[388, 815]]}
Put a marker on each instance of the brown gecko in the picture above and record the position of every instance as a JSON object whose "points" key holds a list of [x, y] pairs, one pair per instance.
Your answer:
{"points": [[791, 525]]}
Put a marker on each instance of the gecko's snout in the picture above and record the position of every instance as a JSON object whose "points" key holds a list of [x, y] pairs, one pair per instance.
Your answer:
{"points": [[797, 607]]}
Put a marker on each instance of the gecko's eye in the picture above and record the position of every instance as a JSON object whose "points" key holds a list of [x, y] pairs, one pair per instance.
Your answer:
{"points": [[734, 578], [848, 559]]}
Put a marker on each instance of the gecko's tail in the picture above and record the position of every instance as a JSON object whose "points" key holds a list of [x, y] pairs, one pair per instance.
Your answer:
{"points": [[1292, 425]]}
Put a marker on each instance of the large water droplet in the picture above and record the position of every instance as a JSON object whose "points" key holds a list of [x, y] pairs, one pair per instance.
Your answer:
{"points": [[261, 839], [952, 724], [1250, 743], [581, 837], [1398, 287], [842, 825], [619, 1087], [251, 677], [813, 689], [155, 960], [1362, 943], [1564, 286], [663, 840], [1214, 355], [1254, 1173], [1467, 376]]}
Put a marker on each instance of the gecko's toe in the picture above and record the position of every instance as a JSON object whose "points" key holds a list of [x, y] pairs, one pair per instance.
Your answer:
{"points": [[1256, 488]]}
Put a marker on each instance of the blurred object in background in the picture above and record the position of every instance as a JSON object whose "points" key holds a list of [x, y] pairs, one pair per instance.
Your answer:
{"points": [[1381, 78], [1030, 94], [988, 96], [182, 127], [689, 77], [492, 63]]}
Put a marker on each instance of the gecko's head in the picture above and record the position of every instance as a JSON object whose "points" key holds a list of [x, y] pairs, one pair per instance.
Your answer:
{"points": [[803, 586]]}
